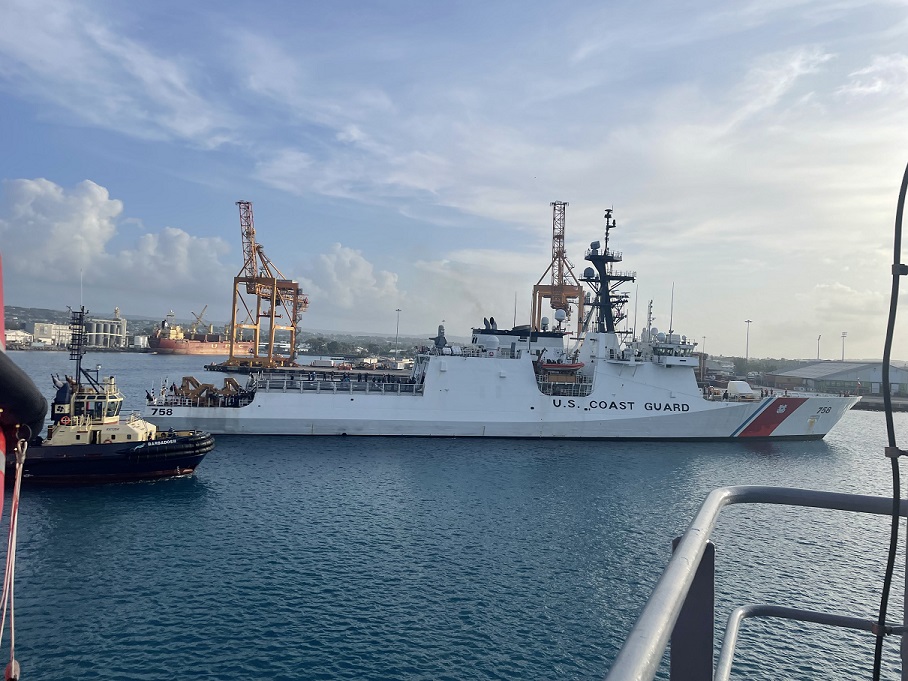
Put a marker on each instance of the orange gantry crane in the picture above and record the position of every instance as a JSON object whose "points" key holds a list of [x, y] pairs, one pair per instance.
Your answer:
{"points": [[561, 292], [264, 301]]}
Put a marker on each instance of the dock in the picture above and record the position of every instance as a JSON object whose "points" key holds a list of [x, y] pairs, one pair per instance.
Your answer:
{"points": [[875, 403]]}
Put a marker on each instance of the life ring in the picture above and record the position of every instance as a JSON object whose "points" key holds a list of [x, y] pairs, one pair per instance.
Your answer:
{"points": [[65, 421], [491, 354], [107, 441]]}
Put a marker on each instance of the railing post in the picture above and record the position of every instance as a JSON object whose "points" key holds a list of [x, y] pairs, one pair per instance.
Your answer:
{"points": [[903, 644], [692, 637]]}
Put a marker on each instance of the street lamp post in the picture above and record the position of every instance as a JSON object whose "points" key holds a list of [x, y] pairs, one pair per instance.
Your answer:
{"points": [[818, 346], [397, 334], [844, 333], [747, 344]]}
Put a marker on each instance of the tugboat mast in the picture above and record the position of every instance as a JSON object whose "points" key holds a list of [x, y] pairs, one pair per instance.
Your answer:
{"points": [[76, 346], [605, 280]]}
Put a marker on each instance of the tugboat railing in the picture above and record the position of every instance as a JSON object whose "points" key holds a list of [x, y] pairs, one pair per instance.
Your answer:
{"points": [[639, 657]]}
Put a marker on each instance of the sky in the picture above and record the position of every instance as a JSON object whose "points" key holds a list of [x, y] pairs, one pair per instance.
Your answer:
{"points": [[404, 156]]}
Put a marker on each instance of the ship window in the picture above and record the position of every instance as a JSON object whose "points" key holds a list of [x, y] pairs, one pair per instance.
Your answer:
{"points": [[78, 437], [129, 437], [113, 407]]}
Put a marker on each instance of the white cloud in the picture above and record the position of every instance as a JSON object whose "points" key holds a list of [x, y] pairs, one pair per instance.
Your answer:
{"points": [[344, 278], [846, 305], [66, 54], [290, 170], [348, 292], [775, 76], [886, 75], [55, 240], [293, 80], [42, 225]]}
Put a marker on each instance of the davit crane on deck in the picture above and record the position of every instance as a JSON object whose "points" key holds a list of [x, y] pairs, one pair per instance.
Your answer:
{"points": [[278, 302]]}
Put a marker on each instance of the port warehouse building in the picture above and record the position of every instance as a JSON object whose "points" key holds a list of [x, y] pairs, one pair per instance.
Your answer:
{"points": [[99, 333], [854, 378]]}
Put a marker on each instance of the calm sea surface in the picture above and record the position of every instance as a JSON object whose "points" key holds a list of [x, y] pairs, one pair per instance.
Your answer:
{"points": [[321, 558]]}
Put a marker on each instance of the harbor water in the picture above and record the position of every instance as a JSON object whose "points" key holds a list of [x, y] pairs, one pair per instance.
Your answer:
{"points": [[384, 558]]}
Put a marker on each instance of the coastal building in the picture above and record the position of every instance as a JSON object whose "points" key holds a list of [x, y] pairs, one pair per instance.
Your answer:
{"points": [[51, 334], [16, 338], [852, 378], [719, 368], [99, 333]]}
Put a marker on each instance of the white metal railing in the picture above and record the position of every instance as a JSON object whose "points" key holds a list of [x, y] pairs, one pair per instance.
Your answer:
{"points": [[292, 384], [639, 657]]}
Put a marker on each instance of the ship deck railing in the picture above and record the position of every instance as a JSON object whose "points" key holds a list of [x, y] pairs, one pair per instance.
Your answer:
{"points": [[232, 401], [718, 396], [292, 384], [475, 351], [681, 608], [581, 386]]}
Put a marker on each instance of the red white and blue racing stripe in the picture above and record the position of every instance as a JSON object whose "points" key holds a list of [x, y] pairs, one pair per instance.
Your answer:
{"points": [[769, 417]]}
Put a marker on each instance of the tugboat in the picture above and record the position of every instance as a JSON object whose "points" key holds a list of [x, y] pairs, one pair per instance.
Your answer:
{"points": [[88, 441]]}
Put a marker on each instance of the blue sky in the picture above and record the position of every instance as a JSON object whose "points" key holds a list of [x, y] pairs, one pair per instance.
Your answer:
{"points": [[404, 155]]}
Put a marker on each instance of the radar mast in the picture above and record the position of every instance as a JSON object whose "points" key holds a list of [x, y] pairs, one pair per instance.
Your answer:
{"points": [[605, 280]]}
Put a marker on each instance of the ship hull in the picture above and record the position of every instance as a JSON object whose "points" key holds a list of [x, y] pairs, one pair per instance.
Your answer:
{"points": [[167, 346], [87, 463], [293, 415], [499, 398]]}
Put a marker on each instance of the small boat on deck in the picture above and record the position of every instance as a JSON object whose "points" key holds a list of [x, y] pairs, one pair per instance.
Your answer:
{"points": [[88, 441], [566, 367]]}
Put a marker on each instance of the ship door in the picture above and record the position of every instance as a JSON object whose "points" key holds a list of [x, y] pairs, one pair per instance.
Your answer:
{"points": [[95, 437]]}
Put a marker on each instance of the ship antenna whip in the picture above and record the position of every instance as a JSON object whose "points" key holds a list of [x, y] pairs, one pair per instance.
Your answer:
{"points": [[892, 451]]}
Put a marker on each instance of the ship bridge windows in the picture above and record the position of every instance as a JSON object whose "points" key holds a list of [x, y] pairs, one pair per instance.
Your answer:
{"points": [[97, 409], [672, 350], [91, 408]]}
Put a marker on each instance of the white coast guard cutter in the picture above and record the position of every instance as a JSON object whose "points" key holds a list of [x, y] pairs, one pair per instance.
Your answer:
{"points": [[516, 383]]}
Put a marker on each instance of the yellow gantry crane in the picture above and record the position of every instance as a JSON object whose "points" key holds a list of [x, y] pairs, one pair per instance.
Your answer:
{"points": [[264, 301]]}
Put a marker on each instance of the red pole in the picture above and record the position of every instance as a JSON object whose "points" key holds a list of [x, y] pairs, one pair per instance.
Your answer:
{"points": [[2, 321], [2, 349]]}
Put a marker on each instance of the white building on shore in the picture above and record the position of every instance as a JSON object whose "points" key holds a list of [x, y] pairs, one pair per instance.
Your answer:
{"points": [[99, 333]]}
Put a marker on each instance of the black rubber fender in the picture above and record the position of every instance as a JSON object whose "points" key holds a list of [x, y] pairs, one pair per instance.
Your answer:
{"points": [[21, 401]]}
